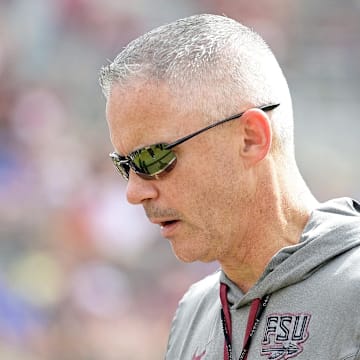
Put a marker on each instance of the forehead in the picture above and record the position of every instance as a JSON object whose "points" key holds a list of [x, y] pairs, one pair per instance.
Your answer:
{"points": [[141, 113]]}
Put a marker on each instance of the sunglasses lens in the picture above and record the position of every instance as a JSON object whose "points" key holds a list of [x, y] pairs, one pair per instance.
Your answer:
{"points": [[153, 160]]}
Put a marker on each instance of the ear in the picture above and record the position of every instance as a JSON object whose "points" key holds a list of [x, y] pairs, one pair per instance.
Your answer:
{"points": [[256, 136]]}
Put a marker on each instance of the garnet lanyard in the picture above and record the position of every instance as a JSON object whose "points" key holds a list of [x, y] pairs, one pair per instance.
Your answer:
{"points": [[256, 310]]}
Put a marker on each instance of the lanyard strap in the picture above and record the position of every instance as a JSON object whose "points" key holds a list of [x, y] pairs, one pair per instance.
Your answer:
{"points": [[256, 311]]}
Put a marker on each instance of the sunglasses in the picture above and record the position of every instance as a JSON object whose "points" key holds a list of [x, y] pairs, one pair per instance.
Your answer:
{"points": [[153, 161]]}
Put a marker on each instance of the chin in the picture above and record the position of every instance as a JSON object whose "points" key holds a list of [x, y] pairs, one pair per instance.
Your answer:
{"points": [[185, 255], [186, 258], [190, 255], [192, 247]]}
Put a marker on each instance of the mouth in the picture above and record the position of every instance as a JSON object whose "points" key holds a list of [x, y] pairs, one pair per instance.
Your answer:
{"points": [[167, 223], [168, 228]]}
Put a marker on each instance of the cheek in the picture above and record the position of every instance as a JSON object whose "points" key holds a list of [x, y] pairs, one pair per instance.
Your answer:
{"points": [[210, 197], [225, 197], [211, 183]]}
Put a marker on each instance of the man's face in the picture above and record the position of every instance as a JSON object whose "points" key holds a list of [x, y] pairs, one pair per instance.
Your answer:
{"points": [[201, 205]]}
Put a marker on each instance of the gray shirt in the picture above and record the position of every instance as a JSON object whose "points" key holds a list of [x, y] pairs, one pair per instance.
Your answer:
{"points": [[314, 307]]}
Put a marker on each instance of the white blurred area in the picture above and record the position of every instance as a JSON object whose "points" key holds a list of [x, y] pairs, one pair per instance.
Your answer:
{"points": [[83, 275]]}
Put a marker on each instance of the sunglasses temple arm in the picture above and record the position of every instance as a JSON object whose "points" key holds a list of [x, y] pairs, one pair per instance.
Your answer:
{"points": [[180, 141]]}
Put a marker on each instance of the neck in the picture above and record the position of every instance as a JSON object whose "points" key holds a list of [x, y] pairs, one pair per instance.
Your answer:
{"points": [[279, 215]]}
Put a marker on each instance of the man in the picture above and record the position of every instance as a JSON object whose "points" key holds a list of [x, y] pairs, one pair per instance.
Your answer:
{"points": [[201, 120]]}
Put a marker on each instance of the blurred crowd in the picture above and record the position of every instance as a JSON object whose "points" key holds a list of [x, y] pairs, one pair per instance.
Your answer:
{"points": [[82, 274]]}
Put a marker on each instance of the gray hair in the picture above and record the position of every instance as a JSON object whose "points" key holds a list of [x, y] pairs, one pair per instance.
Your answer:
{"points": [[215, 63]]}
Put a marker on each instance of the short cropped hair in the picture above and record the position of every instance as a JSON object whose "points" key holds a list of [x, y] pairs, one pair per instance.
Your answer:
{"points": [[221, 65]]}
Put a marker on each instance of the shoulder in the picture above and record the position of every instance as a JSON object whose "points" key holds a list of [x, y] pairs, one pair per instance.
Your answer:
{"points": [[346, 267], [201, 299], [208, 283], [203, 291], [195, 317], [341, 275]]}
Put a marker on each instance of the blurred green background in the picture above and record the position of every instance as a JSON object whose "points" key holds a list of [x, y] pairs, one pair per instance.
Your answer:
{"points": [[82, 274]]}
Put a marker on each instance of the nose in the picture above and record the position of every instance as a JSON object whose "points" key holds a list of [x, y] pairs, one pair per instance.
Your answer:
{"points": [[139, 189]]}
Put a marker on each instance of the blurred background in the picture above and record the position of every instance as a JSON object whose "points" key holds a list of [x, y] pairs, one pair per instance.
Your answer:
{"points": [[82, 274]]}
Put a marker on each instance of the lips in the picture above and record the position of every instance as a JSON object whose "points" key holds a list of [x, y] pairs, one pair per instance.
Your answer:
{"points": [[168, 219], [167, 226], [163, 221], [167, 223]]}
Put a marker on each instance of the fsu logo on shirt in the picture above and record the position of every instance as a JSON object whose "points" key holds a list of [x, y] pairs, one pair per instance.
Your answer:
{"points": [[285, 335]]}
